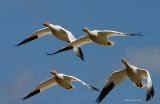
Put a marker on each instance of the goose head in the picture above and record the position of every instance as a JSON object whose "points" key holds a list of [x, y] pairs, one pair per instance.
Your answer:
{"points": [[110, 43], [49, 25], [86, 29], [54, 72], [46, 24], [125, 62]]}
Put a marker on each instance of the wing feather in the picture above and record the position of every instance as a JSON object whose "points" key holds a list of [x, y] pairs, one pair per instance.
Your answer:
{"points": [[72, 78], [109, 33], [114, 80], [35, 35], [41, 87], [80, 41], [150, 89]]}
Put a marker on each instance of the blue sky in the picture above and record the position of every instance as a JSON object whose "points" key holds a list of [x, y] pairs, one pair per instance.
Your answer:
{"points": [[22, 68]]}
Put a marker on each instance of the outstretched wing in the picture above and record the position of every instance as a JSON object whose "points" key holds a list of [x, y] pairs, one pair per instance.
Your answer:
{"points": [[109, 33], [37, 34], [72, 78], [80, 41], [75, 44], [77, 50], [41, 87], [150, 89], [114, 80]]}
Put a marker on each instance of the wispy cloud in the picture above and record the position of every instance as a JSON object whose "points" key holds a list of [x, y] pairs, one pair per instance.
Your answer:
{"points": [[147, 56], [14, 87]]}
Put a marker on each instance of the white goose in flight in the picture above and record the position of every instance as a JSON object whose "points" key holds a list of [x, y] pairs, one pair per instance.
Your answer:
{"points": [[60, 79], [135, 74], [100, 37], [57, 31]]}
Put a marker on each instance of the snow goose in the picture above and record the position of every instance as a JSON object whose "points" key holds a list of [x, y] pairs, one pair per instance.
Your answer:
{"points": [[100, 37], [58, 32], [135, 74], [61, 79]]}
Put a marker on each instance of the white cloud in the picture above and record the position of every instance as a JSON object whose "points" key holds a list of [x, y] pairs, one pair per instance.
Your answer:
{"points": [[14, 87]]}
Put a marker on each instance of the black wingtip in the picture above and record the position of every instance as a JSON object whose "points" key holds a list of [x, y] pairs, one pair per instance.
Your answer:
{"points": [[94, 88], [61, 50], [105, 92], [97, 101], [30, 38], [19, 44], [81, 57], [31, 94], [16, 45], [79, 53], [135, 34], [150, 94], [50, 54]]}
